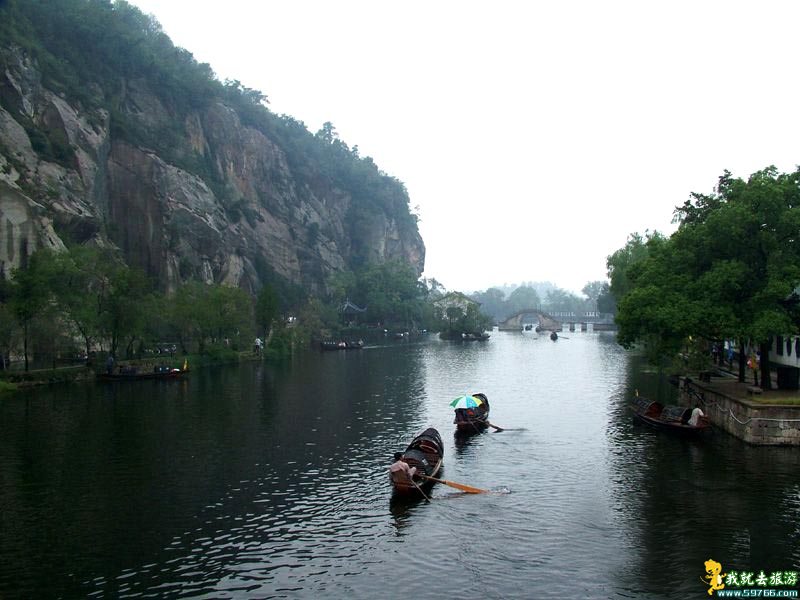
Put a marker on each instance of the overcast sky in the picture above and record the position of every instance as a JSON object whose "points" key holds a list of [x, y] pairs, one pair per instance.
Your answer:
{"points": [[533, 136]]}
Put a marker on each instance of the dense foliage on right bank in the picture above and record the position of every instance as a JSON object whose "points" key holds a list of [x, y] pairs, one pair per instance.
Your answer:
{"points": [[730, 272]]}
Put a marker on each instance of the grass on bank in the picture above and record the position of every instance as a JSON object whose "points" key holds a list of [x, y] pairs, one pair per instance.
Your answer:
{"points": [[6, 387], [11, 380], [766, 398]]}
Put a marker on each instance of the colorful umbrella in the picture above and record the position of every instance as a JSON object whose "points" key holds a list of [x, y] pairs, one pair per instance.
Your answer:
{"points": [[466, 402]]}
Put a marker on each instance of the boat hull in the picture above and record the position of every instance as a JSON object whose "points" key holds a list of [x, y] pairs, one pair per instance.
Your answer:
{"points": [[672, 427], [180, 374], [426, 454], [418, 484], [341, 345], [672, 419], [473, 425]]}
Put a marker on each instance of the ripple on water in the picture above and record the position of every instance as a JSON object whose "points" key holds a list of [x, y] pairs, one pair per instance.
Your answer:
{"points": [[271, 481]]}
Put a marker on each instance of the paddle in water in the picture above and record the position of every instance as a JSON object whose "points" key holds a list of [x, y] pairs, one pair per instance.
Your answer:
{"points": [[424, 495], [459, 486]]}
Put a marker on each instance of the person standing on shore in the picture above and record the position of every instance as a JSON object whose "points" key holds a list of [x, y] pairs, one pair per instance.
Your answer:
{"points": [[752, 363]]}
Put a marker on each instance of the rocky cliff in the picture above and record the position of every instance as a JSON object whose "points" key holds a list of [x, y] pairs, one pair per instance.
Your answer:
{"points": [[183, 193]]}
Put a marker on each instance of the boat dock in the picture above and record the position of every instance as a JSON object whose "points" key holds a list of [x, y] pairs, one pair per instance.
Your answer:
{"points": [[759, 417]]}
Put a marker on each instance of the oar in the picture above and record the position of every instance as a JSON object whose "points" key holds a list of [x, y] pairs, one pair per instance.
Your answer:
{"points": [[424, 495], [494, 426], [460, 486]]}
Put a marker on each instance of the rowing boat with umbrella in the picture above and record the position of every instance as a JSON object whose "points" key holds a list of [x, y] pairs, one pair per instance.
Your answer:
{"points": [[423, 457], [472, 413]]}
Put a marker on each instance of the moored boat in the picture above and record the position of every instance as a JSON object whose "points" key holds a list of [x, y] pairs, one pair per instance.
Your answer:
{"points": [[135, 374], [475, 337], [674, 419], [341, 345], [423, 456], [472, 419]]}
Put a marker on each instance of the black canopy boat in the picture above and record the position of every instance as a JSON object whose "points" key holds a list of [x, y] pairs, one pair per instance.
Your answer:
{"points": [[425, 454], [130, 373], [674, 419], [341, 344], [474, 419]]}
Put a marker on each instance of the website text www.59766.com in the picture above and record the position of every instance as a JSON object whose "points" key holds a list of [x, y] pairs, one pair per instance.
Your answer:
{"points": [[757, 593]]}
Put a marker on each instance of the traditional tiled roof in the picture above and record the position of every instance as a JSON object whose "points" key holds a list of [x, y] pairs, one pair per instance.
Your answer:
{"points": [[350, 307]]}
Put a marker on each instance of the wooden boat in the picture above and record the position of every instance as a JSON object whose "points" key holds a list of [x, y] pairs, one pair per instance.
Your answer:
{"points": [[674, 419], [134, 374], [475, 337], [425, 453], [473, 420], [341, 345]]}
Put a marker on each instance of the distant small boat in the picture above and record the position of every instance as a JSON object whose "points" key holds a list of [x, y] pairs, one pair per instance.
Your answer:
{"points": [[475, 337], [425, 454], [341, 345], [674, 419]]}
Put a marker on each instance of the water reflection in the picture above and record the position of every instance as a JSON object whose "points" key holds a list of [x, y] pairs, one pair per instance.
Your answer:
{"points": [[718, 496], [270, 481], [464, 442]]}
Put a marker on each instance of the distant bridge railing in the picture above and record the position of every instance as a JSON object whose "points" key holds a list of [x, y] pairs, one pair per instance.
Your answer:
{"points": [[560, 320]]}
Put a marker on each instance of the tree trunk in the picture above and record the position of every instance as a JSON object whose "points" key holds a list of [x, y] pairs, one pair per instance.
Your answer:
{"points": [[742, 363], [765, 373], [25, 344], [268, 337]]}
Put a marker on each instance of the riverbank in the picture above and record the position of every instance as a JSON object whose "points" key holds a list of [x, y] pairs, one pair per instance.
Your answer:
{"points": [[759, 417], [13, 380]]}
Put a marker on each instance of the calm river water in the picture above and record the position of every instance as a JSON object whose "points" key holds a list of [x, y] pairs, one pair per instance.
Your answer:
{"points": [[264, 481]]}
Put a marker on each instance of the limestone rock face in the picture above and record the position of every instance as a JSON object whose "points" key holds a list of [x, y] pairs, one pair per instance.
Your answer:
{"points": [[244, 216]]}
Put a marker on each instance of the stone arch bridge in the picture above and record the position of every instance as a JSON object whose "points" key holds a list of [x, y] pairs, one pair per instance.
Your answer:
{"points": [[514, 322], [586, 321]]}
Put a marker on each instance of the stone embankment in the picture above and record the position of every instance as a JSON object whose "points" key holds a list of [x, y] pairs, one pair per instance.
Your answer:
{"points": [[747, 412]]}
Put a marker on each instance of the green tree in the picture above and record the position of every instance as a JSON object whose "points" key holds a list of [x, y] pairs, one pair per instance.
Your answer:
{"points": [[619, 263], [30, 295], [231, 311], [124, 316], [435, 288], [390, 291], [522, 298], [203, 312], [8, 333], [564, 301], [474, 321], [266, 309], [82, 288], [454, 315], [729, 271], [606, 303], [493, 303], [593, 290]]}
